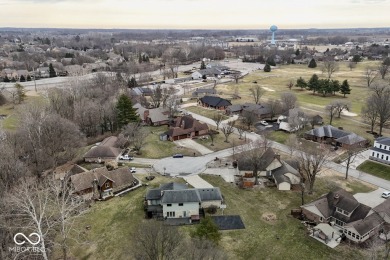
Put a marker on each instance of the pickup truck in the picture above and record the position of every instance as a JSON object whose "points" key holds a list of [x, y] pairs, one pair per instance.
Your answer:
{"points": [[126, 157]]}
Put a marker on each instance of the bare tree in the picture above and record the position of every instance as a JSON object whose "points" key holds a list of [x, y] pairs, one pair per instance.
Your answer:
{"points": [[236, 77], [217, 118], [311, 161], [136, 135], [167, 93], [341, 105], [275, 107], [199, 249], [351, 65], [248, 119], [257, 92], [211, 133], [381, 96], [240, 130], [329, 67], [290, 85], [228, 129], [288, 100], [30, 207], [154, 240], [383, 69], [157, 96], [67, 209], [292, 143], [369, 112], [331, 109], [140, 141], [370, 76], [351, 153]]}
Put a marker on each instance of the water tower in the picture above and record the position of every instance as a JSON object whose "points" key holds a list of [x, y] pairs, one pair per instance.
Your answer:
{"points": [[273, 29]]}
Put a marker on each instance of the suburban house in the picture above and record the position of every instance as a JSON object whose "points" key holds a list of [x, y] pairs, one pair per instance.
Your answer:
{"points": [[292, 120], [200, 92], [102, 184], [177, 201], [381, 150], [214, 102], [66, 170], [234, 110], [205, 73], [332, 135], [283, 173], [152, 116], [260, 111], [186, 127], [107, 150], [345, 214]]}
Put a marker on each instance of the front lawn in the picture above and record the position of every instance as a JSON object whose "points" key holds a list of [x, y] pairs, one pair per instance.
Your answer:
{"points": [[376, 169], [155, 148], [206, 112], [219, 141]]}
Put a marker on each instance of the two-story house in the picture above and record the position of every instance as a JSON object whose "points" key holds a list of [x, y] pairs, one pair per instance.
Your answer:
{"points": [[381, 150], [177, 201]]}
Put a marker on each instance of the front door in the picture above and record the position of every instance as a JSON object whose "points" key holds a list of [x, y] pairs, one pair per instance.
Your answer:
{"points": [[184, 214]]}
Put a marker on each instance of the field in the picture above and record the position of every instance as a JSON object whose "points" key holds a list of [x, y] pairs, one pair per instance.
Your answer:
{"points": [[111, 224], [377, 169]]}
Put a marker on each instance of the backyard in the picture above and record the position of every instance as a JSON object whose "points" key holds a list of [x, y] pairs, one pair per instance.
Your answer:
{"points": [[107, 227], [206, 112]]}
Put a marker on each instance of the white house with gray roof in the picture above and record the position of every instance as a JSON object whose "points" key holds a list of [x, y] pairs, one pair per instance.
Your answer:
{"points": [[174, 200], [381, 150]]}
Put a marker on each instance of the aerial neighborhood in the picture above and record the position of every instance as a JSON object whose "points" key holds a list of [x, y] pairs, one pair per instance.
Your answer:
{"points": [[244, 144]]}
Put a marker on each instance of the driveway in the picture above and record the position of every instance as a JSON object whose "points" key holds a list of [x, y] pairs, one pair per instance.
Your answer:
{"points": [[226, 173], [371, 199], [197, 182], [189, 143]]}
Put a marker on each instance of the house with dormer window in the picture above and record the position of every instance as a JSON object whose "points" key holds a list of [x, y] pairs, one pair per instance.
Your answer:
{"points": [[381, 150], [344, 212]]}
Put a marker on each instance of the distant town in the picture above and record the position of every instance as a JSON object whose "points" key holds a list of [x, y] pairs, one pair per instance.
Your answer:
{"points": [[195, 144]]}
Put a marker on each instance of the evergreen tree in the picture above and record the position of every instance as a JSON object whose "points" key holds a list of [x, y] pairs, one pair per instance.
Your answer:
{"points": [[22, 79], [324, 87], [313, 83], [202, 66], [386, 61], [132, 83], [335, 86], [292, 61], [207, 229], [271, 61], [297, 52], [301, 83], [28, 78], [13, 79], [344, 88], [125, 111], [139, 58], [52, 72], [312, 64], [6, 79], [356, 58], [267, 68]]}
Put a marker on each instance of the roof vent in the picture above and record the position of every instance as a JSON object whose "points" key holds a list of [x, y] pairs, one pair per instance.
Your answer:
{"points": [[336, 196]]}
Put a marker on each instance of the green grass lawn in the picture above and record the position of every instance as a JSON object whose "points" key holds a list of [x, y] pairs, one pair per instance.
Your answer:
{"points": [[209, 113], [376, 169], [219, 141], [155, 148]]}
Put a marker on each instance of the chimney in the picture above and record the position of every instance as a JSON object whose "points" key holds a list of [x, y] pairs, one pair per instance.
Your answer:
{"points": [[95, 189], [146, 114], [182, 124], [277, 156]]}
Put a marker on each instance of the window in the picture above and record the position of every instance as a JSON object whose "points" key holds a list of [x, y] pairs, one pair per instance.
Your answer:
{"points": [[373, 154], [349, 232], [180, 204], [380, 146], [321, 219], [387, 157], [107, 185], [171, 214], [382, 157], [169, 205]]}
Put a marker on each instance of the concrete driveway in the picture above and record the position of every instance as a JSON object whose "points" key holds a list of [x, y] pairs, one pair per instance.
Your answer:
{"points": [[197, 182], [359, 159], [371, 199], [189, 143]]}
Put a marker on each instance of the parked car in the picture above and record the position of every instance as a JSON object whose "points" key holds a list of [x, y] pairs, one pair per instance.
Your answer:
{"points": [[263, 122], [126, 157], [132, 170], [178, 155], [386, 194]]}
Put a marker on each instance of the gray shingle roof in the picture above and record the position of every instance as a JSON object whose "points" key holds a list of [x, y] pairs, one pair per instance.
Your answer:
{"points": [[350, 139], [215, 101], [210, 194], [376, 149], [383, 140], [180, 196], [327, 131]]}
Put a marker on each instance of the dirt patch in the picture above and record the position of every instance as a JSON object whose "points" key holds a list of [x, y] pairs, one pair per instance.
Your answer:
{"points": [[269, 217], [32, 93], [269, 89], [336, 179], [347, 113]]}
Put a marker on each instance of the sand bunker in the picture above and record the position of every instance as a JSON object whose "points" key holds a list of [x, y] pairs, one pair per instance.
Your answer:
{"points": [[271, 217], [268, 89], [347, 113]]}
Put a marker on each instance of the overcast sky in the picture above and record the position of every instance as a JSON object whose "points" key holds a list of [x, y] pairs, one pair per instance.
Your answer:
{"points": [[198, 14]]}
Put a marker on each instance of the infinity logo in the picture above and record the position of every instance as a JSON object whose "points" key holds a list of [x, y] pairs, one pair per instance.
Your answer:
{"points": [[25, 238]]}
